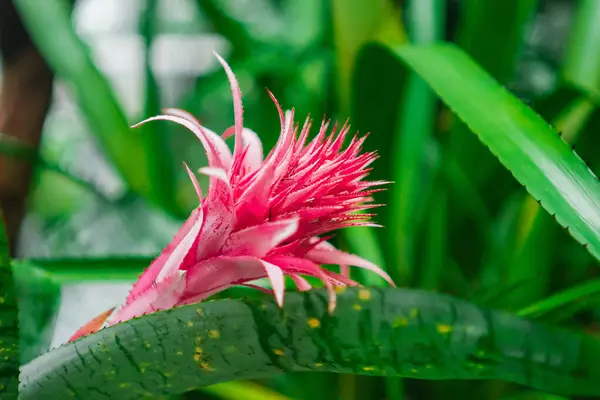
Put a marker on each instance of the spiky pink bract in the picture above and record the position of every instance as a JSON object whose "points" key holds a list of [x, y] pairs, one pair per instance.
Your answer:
{"points": [[261, 217]]}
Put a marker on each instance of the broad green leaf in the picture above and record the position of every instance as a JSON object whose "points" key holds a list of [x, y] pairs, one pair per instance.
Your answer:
{"points": [[531, 149], [528, 259], [379, 332], [69, 57], [532, 257], [9, 323]]}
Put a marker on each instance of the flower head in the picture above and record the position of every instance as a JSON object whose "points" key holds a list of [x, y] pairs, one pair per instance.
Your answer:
{"points": [[262, 217]]}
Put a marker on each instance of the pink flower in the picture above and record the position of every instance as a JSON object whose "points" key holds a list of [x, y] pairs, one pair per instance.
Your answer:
{"points": [[261, 217]]}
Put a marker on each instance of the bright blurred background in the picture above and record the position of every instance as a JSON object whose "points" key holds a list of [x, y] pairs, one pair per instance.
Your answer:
{"points": [[105, 199]]}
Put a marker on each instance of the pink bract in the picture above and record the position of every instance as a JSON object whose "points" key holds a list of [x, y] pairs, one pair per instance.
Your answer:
{"points": [[262, 217]]}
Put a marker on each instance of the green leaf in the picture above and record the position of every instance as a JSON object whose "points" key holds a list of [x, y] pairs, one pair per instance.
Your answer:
{"points": [[380, 332], [566, 303], [70, 59], [162, 184], [435, 258], [530, 395], [363, 242], [305, 22], [9, 323], [39, 299], [243, 390], [16, 149], [66, 270], [377, 118], [248, 26], [529, 256], [415, 127], [531, 149], [492, 33], [356, 22], [582, 64]]}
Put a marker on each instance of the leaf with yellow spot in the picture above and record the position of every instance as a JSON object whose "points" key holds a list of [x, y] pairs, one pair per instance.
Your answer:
{"points": [[364, 294], [314, 323], [263, 332]]}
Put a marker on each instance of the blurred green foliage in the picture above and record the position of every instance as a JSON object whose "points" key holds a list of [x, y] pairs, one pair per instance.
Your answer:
{"points": [[456, 220]]}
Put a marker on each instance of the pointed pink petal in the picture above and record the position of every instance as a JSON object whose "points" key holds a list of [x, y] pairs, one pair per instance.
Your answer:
{"points": [[217, 152], [275, 275], [301, 283], [176, 112], [325, 245], [161, 296], [279, 109], [344, 270], [258, 240], [262, 289], [92, 326], [253, 151], [340, 280], [194, 182], [290, 264], [221, 271], [220, 217], [203, 295], [253, 205], [174, 262], [212, 172], [237, 105], [229, 132], [172, 256], [324, 256], [254, 157]]}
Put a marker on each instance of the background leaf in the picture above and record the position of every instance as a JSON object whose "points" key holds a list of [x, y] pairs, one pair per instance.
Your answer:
{"points": [[9, 323], [71, 60], [522, 140]]}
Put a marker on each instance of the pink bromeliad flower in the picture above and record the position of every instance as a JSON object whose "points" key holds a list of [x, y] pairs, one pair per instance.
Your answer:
{"points": [[260, 218]]}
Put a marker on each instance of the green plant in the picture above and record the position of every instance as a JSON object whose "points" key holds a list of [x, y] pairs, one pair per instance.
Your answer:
{"points": [[491, 207]]}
